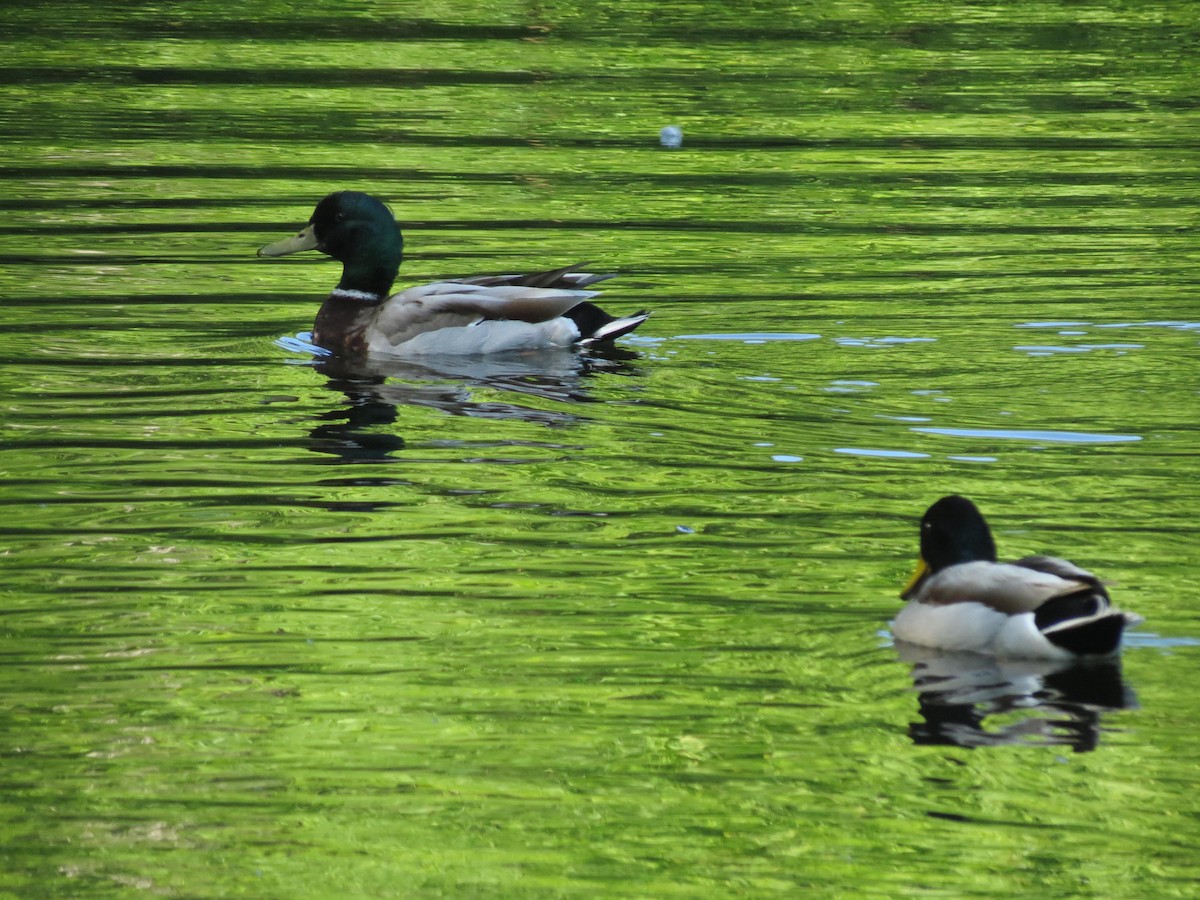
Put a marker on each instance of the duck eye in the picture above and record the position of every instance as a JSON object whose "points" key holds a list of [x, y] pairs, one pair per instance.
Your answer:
{"points": [[339, 217]]}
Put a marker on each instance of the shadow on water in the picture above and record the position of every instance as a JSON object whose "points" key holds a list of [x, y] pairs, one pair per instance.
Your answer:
{"points": [[969, 700], [374, 387]]}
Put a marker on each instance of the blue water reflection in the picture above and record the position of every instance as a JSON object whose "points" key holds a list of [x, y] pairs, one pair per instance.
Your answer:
{"points": [[1032, 434]]}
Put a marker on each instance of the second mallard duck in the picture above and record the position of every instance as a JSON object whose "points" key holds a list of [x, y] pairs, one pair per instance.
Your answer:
{"points": [[961, 598], [482, 314]]}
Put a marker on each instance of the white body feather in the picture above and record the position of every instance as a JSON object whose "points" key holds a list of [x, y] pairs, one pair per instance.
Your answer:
{"points": [[975, 628], [485, 336]]}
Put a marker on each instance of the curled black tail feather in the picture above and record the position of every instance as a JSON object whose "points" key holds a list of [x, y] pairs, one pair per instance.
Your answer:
{"points": [[1085, 603], [1098, 637], [595, 324]]}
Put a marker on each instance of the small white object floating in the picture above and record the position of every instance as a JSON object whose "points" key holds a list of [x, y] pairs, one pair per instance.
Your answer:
{"points": [[671, 137]]}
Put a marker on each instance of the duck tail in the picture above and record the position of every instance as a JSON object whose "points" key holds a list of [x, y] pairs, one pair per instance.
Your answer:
{"points": [[1083, 622], [596, 326], [1089, 637]]}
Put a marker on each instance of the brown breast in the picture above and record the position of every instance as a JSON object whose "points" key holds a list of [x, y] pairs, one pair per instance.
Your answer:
{"points": [[341, 325]]}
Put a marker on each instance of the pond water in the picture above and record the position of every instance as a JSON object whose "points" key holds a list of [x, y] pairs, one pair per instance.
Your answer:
{"points": [[606, 625]]}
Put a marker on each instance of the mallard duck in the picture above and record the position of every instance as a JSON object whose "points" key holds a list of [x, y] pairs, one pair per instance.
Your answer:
{"points": [[1039, 607], [482, 314]]}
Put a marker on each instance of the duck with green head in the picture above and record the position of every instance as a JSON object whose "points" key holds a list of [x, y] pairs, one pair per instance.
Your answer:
{"points": [[1039, 607], [480, 314]]}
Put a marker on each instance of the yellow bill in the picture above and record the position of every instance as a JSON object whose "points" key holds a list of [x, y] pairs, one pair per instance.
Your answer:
{"points": [[919, 575], [305, 240]]}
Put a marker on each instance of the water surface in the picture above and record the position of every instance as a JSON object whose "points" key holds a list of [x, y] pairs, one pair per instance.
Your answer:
{"points": [[597, 625]]}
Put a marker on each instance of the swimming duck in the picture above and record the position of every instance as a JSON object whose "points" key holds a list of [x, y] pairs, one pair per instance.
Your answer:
{"points": [[1039, 607], [482, 314]]}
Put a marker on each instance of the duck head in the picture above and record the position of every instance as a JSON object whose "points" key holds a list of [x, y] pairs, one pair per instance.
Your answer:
{"points": [[953, 531], [360, 232]]}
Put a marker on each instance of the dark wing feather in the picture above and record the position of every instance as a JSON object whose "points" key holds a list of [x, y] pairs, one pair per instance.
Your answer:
{"points": [[568, 277]]}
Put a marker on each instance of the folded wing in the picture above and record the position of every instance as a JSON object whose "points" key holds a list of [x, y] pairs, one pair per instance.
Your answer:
{"points": [[451, 304], [1004, 587]]}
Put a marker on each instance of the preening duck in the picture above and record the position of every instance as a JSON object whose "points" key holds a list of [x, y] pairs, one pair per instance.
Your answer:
{"points": [[1040, 607], [481, 314]]}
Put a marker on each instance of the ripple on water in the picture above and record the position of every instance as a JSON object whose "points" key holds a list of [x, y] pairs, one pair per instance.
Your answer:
{"points": [[1167, 323], [1179, 324], [301, 343], [1071, 324], [1053, 349], [751, 337], [881, 341], [1148, 639], [1021, 434], [849, 386], [889, 454]]}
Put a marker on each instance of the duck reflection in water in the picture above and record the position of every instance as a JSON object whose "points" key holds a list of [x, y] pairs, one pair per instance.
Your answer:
{"points": [[971, 700], [376, 386]]}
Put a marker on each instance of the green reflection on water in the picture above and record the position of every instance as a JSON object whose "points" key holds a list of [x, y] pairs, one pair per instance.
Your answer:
{"points": [[585, 630]]}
